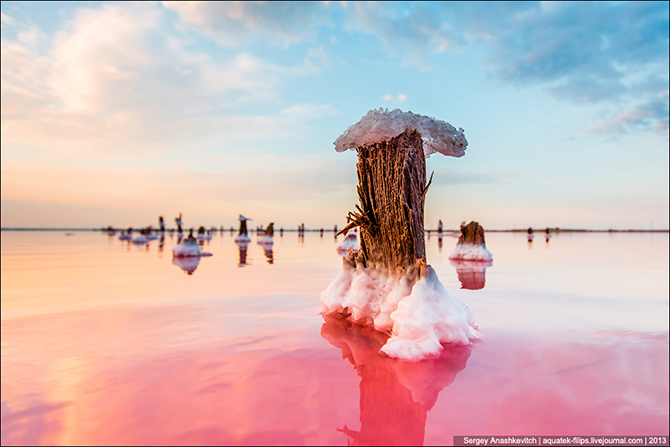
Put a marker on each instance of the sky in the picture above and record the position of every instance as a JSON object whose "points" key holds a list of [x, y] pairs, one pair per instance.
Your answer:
{"points": [[116, 113]]}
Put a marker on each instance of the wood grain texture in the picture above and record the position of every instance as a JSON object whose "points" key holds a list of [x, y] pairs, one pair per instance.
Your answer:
{"points": [[391, 191]]}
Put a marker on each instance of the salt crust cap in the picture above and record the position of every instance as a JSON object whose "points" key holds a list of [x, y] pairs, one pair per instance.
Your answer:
{"points": [[381, 125]]}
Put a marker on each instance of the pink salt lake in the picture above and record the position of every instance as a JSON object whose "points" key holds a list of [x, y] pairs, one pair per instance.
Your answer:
{"points": [[104, 342]]}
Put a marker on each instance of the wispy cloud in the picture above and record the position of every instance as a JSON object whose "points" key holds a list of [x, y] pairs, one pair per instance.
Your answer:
{"points": [[234, 24], [413, 34], [116, 82], [651, 116], [401, 97], [606, 53], [442, 177], [614, 54]]}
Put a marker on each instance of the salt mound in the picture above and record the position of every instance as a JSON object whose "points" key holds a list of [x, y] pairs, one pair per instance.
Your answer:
{"points": [[188, 247], [381, 125], [420, 318], [139, 240], [349, 242], [242, 238], [470, 252], [265, 240]]}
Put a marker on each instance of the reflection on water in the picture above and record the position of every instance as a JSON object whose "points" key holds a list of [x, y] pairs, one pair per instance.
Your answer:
{"points": [[106, 343], [269, 255], [471, 274], [243, 246], [187, 263], [395, 396]]}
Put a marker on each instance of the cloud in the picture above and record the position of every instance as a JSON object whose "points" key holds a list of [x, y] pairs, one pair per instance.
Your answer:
{"points": [[614, 54], [441, 177], [413, 34], [592, 47], [652, 116], [401, 97], [117, 82], [325, 59], [234, 24], [606, 53]]}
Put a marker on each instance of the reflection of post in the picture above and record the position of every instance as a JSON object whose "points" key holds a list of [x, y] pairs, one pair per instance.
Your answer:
{"points": [[471, 274], [269, 255], [187, 263], [395, 396], [439, 241], [243, 254]]}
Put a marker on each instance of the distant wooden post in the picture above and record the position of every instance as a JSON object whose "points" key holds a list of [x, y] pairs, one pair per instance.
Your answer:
{"points": [[270, 230], [472, 234], [243, 227], [391, 190]]}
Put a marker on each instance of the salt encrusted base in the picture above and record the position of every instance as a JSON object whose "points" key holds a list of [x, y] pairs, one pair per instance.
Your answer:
{"points": [[419, 317], [265, 240], [350, 242], [469, 252], [242, 238], [188, 247]]}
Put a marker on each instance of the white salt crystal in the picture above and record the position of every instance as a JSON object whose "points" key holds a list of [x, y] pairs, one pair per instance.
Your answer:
{"points": [[382, 125]]}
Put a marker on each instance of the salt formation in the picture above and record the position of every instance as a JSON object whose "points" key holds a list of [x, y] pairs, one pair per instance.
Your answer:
{"points": [[266, 239], [471, 245], [243, 237], [188, 247], [139, 240], [350, 242], [387, 283], [381, 125]]}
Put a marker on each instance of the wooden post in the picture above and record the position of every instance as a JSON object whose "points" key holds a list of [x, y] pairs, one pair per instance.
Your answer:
{"points": [[243, 227], [391, 190], [472, 234], [270, 230]]}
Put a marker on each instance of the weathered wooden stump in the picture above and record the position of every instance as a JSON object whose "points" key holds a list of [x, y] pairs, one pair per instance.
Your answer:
{"points": [[270, 230], [243, 227], [391, 190], [472, 234], [377, 283]]}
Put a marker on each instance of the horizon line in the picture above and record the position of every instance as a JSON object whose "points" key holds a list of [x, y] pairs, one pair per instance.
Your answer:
{"points": [[554, 229]]}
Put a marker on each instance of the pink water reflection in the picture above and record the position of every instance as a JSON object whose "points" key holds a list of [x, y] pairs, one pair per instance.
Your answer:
{"points": [[241, 356], [126, 384], [395, 397]]}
